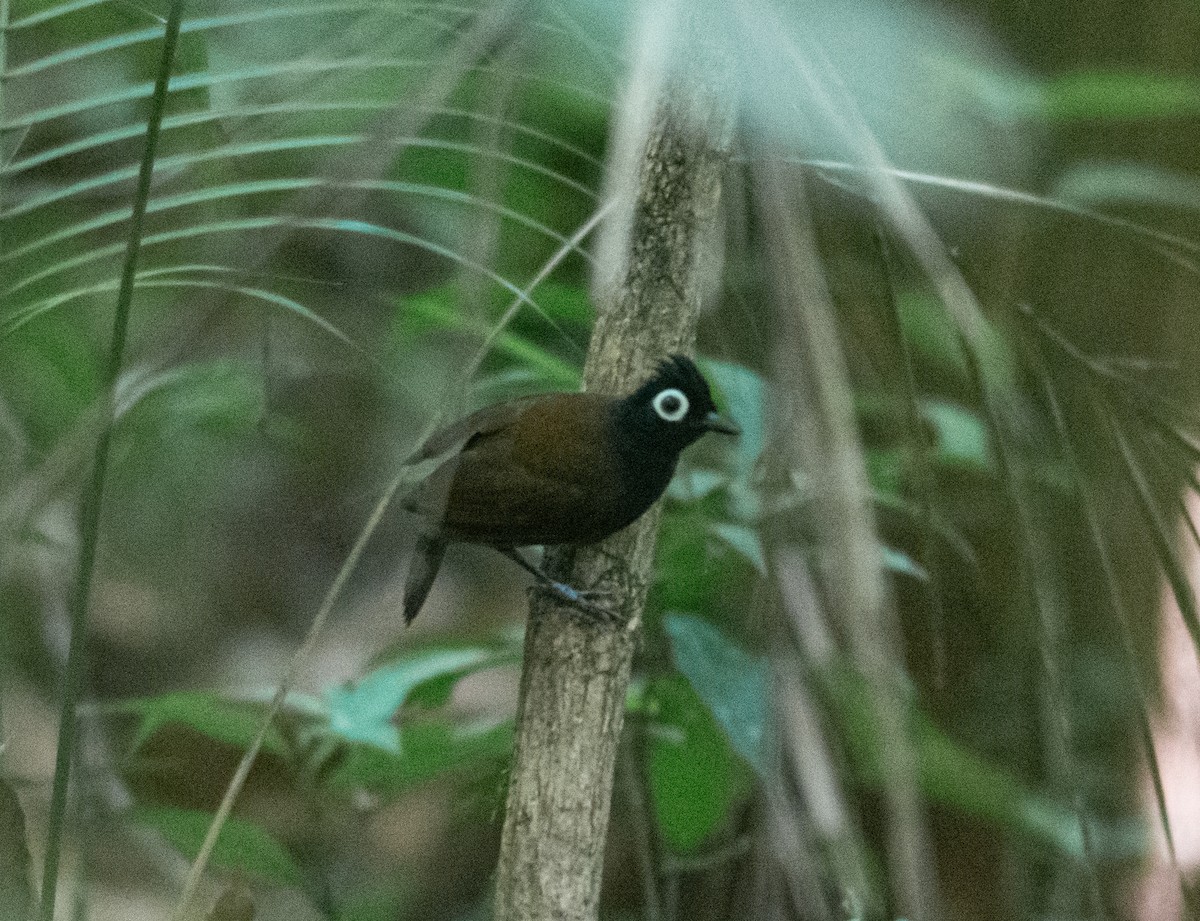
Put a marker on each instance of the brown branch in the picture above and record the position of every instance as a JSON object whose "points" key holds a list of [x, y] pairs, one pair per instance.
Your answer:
{"points": [[576, 673]]}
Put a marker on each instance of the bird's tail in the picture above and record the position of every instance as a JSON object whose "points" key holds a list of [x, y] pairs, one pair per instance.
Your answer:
{"points": [[422, 570]]}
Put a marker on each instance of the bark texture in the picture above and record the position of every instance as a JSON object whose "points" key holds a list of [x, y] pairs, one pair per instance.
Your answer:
{"points": [[576, 673]]}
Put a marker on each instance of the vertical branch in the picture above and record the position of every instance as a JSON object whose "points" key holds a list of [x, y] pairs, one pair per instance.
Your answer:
{"points": [[93, 496], [819, 434], [575, 674], [16, 900]]}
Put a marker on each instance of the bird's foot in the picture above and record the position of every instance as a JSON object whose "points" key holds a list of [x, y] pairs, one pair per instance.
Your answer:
{"points": [[585, 601]]}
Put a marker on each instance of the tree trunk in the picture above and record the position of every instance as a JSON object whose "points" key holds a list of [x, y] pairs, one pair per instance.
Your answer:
{"points": [[575, 672]]}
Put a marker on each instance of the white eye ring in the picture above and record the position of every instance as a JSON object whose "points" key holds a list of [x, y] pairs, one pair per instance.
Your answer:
{"points": [[671, 404]]}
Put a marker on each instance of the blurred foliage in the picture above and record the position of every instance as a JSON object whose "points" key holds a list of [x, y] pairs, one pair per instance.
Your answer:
{"points": [[351, 204], [15, 896], [241, 845], [694, 778]]}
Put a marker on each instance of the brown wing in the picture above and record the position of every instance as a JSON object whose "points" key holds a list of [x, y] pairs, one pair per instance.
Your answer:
{"points": [[468, 434], [481, 422], [550, 477]]}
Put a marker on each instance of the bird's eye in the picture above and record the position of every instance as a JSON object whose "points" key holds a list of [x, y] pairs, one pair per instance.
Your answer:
{"points": [[671, 405]]}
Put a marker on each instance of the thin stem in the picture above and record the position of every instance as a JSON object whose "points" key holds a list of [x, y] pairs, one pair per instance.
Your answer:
{"points": [[629, 767], [1036, 585], [3, 64], [922, 462], [1091, 502], [93, 496], [3, 58]]}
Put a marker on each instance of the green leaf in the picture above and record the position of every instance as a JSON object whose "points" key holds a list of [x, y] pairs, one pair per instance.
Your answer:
{"points": [[1112, 95], [933, 335], [732, 683], [1129, 184], [568, 303], [137, 36], [961, 438], [743, 540], [241, 845], [221, 397], [694, 484], [438, 309], [432, 748], [694, 776], [49, 374], [233, 722], [899, 562], [365, 904], [365, 710], [743, 391]]}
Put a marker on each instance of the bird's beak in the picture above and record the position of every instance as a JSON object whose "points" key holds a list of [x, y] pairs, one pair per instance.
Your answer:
{"points": [[714, 422]]}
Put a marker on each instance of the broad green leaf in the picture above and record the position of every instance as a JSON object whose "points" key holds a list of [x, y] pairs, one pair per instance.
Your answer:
{"points": [[732, 683], [933, 335], [503, 648], [364, 904], [1099, 95], [230, 721], [961, 438], [240, 846], [365, 710], [1112, 95], [742, 539], [568, 303], [885, 471], [743, 391], [694, 776], [222, 397], [432, 748], [49, 374], [693, 564]]}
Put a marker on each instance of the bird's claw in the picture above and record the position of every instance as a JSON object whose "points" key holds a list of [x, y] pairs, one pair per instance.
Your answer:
{"points": [[585, 601]]}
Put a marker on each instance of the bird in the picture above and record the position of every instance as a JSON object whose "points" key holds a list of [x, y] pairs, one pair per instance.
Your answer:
{"points": [[555, 469]]}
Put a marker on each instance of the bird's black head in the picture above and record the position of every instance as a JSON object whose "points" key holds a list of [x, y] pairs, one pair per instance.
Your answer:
{"points": [[670, 411]]}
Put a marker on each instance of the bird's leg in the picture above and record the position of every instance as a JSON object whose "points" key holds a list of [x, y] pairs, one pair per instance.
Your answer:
{"points": [[582, 599]]}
